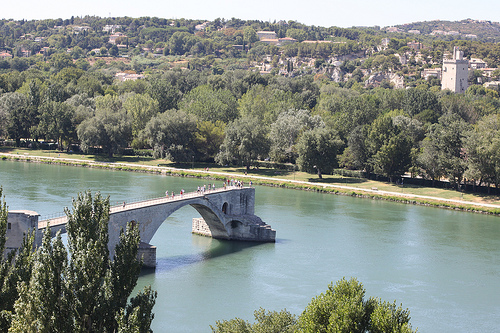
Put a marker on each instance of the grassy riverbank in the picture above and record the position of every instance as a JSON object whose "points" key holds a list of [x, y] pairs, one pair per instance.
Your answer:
{"points": [[299, 180]]}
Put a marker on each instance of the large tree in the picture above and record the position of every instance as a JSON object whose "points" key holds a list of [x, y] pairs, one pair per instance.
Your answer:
{"points": [[286, 130], [109, 129], [171, 135], [245, 142], [342, 308], [210, 104], [56, 122], [90, 292], [15, 108], [483, 151], [443, 153], [318, 149]]}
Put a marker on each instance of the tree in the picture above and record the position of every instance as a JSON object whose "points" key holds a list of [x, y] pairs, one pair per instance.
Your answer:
{"points": [[88, 294], [163, 91], [210, 104], [56, 122], [267, 103], [418, 100], [342, 308], [58, 61], [389, 145], [44, 303], [265, 321], [109, 128], [286, 130], [298, 34], [12, 272], [171, 135], [208, 138], [317, 150], [100, 288], [250, 35], [113, 51], [483, 151], [393, 159], [141, 108], [356, 154], [15, 107], [245, 142], [443, 153]]}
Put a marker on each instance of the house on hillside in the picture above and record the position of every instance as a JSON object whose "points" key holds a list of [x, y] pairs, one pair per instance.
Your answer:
{"points": [[202, 26], [415, 45], [114, 37], [128, 76], [110, 28], [435, 72], [266, 35], [286, 41], [476, 63], [5, 55]]}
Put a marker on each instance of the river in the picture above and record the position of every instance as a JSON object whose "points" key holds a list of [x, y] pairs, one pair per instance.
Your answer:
{"points": [[443, 265]]}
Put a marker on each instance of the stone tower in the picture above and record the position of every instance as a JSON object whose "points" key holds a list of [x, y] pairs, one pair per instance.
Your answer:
{"points": [[455, 72]]}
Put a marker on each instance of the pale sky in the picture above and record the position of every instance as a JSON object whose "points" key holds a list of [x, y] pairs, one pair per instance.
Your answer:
{"points": [[325, 13]]}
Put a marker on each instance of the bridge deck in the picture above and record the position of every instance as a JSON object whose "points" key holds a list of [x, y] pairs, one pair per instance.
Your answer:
{"points": [[61, 220]]}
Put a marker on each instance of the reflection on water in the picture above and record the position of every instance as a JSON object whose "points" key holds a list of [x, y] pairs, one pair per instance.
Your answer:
{"points": [[221, 248]]}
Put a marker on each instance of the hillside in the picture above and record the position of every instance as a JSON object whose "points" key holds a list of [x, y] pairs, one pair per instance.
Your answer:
{"points": [[487, 31]]}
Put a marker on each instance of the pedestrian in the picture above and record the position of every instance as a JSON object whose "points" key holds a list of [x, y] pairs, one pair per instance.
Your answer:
{"points": [[166, 193]]}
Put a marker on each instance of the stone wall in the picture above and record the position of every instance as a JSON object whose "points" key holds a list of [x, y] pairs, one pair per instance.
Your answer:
{"points": [[19, 223], [148, 254], [200, 227]]}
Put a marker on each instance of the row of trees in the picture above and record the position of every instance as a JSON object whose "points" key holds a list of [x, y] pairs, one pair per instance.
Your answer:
{"points": [[46, 290], [239, 117], [342, 308]]}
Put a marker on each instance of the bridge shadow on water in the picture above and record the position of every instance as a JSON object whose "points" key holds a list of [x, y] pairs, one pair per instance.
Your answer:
{"points": [[224, 247]]}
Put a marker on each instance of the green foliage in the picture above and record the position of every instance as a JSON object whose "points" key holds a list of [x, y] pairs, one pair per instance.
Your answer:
{"points": [[317, 150], [342, 308], [286, 130], [210, 104], [109, 128], [171, 135], [245, 142], [208, 138], [265, 322], [42, 292]]}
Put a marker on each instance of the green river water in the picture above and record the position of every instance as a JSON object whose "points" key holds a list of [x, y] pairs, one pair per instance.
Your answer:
{"points": [[443, 265]]}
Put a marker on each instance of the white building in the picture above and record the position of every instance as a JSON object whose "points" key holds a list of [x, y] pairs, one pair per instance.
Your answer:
{"points": [[455, 72], [476, 63]]}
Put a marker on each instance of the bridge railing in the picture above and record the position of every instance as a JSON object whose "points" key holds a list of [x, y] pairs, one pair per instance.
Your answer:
{"points": [[144, 201]]}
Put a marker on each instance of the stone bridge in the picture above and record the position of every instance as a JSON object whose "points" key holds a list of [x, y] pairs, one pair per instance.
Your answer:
{"points": [[226, 213]]}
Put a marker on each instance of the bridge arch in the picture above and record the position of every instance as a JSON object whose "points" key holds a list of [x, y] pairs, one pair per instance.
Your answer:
{"points": [[150, 218], [226, 213]]}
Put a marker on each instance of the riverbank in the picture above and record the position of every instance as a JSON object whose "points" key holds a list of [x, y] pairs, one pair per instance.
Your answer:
{"points": [[369, 189]]}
